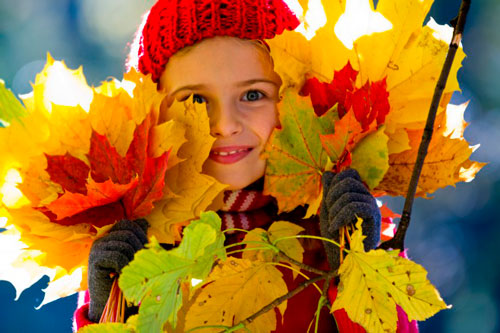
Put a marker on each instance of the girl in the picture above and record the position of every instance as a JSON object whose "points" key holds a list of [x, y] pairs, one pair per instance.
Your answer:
{"points": [[213, 51]]}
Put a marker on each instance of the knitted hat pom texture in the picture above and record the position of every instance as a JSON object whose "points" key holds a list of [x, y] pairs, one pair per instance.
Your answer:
{"points": [[172, 25]]}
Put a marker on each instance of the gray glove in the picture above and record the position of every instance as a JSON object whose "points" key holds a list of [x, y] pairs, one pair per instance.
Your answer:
{"points": [[110, 254], [345, 198]]}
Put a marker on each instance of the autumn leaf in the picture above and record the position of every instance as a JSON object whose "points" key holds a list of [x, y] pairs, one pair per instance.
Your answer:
{"points": [[155, 275], [388, 227], [295, 157], [239, 288], [372, 283], [369, 102], [340, 144], [370, 157], [107, 328], [10, 107], [100, 196], [69, 172], [446, 163], [258, 239], [189, 191]]}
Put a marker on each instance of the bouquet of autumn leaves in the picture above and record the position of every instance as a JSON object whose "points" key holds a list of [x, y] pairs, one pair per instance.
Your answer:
{"points": [[76, 159]]}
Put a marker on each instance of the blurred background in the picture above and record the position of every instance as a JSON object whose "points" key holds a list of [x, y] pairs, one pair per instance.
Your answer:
{"points": [[455, 236]]}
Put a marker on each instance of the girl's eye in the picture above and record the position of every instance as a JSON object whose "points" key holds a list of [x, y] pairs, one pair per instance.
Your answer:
{"points": [[199, 99], [253, 95]]}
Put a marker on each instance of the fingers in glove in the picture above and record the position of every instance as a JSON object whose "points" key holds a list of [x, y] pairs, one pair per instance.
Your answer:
{"points": [[349, 173], [349, 213], [137, 227], [110, 244], [112, 256], [326, 180], [344, 201], [144, 224], [347, 185]]}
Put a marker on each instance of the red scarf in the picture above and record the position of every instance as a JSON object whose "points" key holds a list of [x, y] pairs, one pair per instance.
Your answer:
{"points": [[246, 209]]}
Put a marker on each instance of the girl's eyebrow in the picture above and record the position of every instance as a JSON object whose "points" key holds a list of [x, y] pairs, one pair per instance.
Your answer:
{"points": [[252, 81]]}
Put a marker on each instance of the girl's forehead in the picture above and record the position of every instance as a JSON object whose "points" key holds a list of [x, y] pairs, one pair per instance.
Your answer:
{"points": [[218, 60]]}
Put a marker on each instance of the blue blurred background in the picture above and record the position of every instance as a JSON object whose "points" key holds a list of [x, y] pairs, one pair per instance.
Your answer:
{"points": [[454, 235]]}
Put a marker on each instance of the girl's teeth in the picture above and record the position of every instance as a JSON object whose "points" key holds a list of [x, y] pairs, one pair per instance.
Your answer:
{"points": [[229, 153]]}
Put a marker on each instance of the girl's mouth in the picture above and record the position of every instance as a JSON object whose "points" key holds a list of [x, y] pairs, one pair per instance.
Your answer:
{"points": [[229, 155]]}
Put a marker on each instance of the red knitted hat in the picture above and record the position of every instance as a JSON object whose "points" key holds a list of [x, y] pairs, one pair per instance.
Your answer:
{"points": [[172, 25]]}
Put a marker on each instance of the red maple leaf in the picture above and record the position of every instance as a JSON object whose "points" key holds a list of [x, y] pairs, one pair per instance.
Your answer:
{"points": [[69, 172], [119, 186], [370, 103]]}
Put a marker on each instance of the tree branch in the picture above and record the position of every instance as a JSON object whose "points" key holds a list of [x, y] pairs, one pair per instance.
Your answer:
{"points": [[303, 266], [327, 276], [398, 241]]}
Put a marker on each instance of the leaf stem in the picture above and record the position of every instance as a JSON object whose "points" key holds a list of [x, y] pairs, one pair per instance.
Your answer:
{"points": [[298, 272], [303, 266], [308, 236], [398, 241]]}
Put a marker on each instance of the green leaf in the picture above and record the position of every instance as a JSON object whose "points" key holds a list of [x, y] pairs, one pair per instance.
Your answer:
{"points": [[10, 107], [202, 238], [154, 277], [371, 157], [295, 156]]}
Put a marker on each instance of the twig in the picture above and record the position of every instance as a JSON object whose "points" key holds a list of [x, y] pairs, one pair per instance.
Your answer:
{"points": [[285, 297], [303, 266], [398, 241]]}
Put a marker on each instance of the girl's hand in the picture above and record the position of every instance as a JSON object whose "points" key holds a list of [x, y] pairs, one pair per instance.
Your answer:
{"points": [[108, 256], [345, 198]]}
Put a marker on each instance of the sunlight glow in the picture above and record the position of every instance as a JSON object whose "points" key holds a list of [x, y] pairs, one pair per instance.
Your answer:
{"points": [[312, 21], [64, 87], [195, 282], [3, 221], [12, 197], [359, 20]]}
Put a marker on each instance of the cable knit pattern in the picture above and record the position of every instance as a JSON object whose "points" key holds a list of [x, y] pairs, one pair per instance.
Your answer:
{"points": [[174, 24]]}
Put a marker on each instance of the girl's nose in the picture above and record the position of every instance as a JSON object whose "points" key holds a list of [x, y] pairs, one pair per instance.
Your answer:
{"points": [[224, 121]]}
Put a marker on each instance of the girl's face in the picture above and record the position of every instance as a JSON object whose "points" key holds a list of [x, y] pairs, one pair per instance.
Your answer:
{"points": [[235, 78]]}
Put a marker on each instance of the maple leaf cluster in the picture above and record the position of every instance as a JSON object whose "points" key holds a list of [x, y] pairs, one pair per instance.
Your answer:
{"points": [[118, 187], [375, 84], [78, 160]]}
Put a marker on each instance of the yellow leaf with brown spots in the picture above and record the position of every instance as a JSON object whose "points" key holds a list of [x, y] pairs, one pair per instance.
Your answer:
{"points": [[238, 289], [372, 283]]}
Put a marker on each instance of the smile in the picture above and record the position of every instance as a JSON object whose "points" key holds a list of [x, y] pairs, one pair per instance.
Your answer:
{"points": [[229, 155]]}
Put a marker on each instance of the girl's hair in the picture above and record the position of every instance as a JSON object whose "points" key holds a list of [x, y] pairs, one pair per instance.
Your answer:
{"points": [[171, 25]]}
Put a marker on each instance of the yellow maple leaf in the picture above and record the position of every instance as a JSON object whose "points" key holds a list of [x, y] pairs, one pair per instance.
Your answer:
{"points": [[189, 192], [238, 289], [258, 238], [372, 283], [446, 163]]}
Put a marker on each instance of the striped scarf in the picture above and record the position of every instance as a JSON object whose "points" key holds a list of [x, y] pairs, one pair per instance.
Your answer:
{"points": [[247, 209]]}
